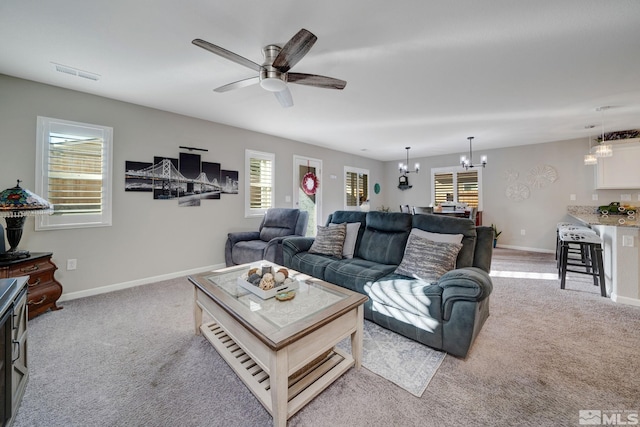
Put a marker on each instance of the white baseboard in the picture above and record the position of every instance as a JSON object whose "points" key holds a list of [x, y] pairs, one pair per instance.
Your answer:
{"points": [[523, 248], [134, 283], [625, 300]]}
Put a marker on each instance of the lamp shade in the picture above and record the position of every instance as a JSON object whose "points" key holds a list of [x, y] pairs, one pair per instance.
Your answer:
{"points": [[19, 202]]}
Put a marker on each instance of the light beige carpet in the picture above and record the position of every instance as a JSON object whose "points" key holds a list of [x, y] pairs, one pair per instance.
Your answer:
{"points": [[130, 358]]}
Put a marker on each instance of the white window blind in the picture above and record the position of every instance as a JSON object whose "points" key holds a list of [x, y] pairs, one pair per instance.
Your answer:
{"points": [[74, 173], [260, 169], [356, 187], [455, 185]]}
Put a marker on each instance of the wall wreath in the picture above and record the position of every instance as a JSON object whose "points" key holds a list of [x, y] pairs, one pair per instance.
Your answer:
{"points": [[309, 183]]}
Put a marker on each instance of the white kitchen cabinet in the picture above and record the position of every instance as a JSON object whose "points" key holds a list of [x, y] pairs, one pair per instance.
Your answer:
{"points": [[622, 170]]}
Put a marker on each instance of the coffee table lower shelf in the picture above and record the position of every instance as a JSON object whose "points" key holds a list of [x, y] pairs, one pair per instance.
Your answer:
{"points": [[303, 385]]}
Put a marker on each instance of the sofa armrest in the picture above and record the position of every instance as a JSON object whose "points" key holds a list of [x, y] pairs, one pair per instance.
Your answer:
{"points": [[293, 245], [463, 284], [243, 236]]}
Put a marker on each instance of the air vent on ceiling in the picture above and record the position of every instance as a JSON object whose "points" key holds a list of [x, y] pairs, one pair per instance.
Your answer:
{"points": [[76, 72]]}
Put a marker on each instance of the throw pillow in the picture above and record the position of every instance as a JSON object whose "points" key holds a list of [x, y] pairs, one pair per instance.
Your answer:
{"points": [[329, 240], [350, 239], [438, 237], [428, 260]]}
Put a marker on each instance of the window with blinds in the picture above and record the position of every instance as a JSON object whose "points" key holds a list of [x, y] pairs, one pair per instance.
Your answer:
{"points": [[455, 185], [74, 173], [259, 182], [356, 184]]}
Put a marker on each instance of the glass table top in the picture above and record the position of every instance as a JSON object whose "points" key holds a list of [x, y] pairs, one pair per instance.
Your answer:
{"points": [[311, 297]]}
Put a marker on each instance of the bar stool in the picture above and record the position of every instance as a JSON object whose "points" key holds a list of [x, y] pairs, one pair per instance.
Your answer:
{"points": [[589, 244], [569, 226]]}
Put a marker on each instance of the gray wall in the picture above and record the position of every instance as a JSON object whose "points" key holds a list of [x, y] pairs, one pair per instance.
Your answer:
{"points": [[156, 239], [538, 214], [149, 238]]}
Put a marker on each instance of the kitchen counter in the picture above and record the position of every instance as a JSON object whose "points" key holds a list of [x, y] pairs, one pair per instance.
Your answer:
{"points": [[587, 215], [620, 236]]}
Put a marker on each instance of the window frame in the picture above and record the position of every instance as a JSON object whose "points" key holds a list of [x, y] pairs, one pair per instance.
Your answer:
{"points": [[359, 171], [249, 155], [45, 127], [455, 170]]}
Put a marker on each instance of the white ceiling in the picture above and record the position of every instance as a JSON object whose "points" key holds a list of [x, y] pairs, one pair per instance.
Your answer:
{"points": [[420, 73]]}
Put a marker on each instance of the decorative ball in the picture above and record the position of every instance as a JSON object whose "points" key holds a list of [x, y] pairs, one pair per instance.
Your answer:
{"points": [[266, 283], [254, 279], [284, 271], [252, 271], [267, 276], [279, 277]]}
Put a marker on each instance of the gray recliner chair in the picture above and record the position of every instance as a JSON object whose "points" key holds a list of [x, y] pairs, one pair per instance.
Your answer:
{"points": [[266, 243]]}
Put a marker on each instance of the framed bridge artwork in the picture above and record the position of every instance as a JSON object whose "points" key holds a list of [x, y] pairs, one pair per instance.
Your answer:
{"points": [[186, 179]]}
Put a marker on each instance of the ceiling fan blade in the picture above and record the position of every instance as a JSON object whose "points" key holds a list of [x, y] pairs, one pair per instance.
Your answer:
{"points": [[294, 50], [227, 54], [315, 80], [239, 84], [284, 98]]}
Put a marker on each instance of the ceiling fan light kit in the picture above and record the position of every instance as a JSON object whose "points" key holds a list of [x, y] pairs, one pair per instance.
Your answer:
{"points": [[273, 74]]}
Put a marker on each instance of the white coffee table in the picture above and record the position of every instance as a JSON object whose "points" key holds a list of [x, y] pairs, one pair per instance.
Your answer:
{"points": [[284, 351]]}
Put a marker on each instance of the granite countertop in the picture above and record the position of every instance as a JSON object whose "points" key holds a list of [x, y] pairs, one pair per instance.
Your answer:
{"points": [[588, 215]]}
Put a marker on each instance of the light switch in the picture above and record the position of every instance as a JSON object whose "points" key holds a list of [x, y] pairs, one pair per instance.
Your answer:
{"points": [[627, 241], [594, 197], [287, 199], [572, 197]]}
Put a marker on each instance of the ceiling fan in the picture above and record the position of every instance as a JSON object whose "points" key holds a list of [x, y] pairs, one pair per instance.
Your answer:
{"points": [[273, 74]]}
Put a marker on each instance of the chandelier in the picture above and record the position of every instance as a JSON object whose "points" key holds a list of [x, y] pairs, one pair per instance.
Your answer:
{"points": [[603, 149], [403, 181], [468, 163]]}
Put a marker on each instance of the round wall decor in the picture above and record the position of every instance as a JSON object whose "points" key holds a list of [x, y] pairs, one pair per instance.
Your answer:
{"points": [[309, 183]]}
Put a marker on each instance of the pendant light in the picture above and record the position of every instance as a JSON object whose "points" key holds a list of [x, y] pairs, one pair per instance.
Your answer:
{"points": [[603, 149], [403, 181], [590, 158], [468, 163]]}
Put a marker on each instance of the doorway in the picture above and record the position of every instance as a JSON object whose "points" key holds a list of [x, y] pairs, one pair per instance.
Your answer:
{"points": [[311, 203]]}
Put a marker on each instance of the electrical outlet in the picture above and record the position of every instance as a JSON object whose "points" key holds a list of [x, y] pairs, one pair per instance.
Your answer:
{"points": [[572, 197], [594, 197], [523, 232], [625, 197], [72, 264]]}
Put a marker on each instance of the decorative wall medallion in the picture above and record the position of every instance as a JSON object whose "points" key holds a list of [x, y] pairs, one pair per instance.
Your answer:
{"points": [[517, 192], [510, 175], [541, 176]]}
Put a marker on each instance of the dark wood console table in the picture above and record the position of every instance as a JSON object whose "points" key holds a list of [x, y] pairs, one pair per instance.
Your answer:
{"points": [[43, 289]]}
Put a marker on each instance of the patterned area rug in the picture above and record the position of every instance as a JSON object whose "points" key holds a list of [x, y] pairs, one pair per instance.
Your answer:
{"points": [[402, 361]]}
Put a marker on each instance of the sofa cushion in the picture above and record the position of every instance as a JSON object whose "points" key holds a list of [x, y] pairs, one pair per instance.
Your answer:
{"points": [[278, 222], [384, 237], [329, 240], [428, 260], [355, 273], [350, 239], [311, 264], [248, 251], [452, 225], [438, 237]]}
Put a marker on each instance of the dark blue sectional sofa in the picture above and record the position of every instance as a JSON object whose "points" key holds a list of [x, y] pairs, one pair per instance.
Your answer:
{"points": [[445, 315]]}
